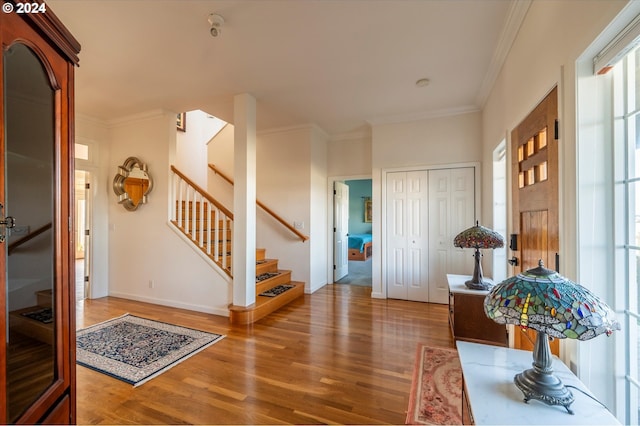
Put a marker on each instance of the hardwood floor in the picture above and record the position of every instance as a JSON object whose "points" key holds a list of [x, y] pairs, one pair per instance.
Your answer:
{"points": [[336, 356]]}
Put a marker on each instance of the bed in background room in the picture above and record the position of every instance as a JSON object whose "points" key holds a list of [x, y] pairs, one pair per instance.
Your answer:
{"points": [[359, 246]]}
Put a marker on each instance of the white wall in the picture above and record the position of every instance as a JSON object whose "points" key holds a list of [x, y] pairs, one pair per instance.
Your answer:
{"points": [[284, 186], [220, 154], [552, 37], [349, 156], [191, 145], [143, 250], [318, 210], [443, 140]]}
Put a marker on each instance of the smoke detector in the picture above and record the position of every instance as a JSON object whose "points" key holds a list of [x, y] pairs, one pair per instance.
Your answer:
{"points": [[216, 21]]}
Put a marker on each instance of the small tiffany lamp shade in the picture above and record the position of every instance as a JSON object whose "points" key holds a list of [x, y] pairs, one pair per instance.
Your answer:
{"points": [[554, 306], [478, 237]]}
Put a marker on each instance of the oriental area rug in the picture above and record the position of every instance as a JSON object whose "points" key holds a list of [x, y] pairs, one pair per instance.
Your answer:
{"points": [[436, 390], [135, 349]]}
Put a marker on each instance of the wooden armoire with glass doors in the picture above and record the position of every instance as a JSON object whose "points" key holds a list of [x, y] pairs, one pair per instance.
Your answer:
{"points": [[37, 360]]}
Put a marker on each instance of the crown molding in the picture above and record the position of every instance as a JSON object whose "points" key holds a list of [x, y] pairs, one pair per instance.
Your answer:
{"points": [[424, 115], [293, 128], [515, 16], [143, 116], [91, 120], [349, 136]]}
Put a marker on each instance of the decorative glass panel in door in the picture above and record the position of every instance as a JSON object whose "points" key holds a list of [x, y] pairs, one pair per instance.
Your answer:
{"points": [[28, 213]]}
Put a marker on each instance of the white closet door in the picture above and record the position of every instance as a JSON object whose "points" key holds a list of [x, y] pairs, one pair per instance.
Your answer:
{"points": [[451, 210], [407, 244], [462, 217], [396, 235]]}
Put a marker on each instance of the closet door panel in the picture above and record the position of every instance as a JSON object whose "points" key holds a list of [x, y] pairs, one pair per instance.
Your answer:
{"points": [[406, 248], [451, 210], [417, 238], [462, 216], [440, 242], [396, 236]]}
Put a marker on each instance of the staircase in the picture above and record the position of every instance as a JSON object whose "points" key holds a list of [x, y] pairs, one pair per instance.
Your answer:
{"points": [[214, 241], [208, 225], [39, 330], [268, 278]]}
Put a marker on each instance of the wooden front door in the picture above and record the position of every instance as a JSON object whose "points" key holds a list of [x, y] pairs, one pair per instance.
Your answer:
{"points": [[534, 168]]}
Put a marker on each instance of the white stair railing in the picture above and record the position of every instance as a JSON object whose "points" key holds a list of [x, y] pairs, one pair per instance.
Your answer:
{"points": [[203, 219]]}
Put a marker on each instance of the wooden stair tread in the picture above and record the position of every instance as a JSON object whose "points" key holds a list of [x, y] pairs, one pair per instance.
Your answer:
{"points": [[265, 305], [266, 265], [31, 327], [283, 277]]}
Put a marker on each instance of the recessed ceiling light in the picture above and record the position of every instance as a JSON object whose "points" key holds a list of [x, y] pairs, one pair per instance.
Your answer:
{"points": [[422, 82]]}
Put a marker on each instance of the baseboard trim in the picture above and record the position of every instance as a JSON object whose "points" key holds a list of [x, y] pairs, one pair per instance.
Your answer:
{"points": [[223, 312], [315, 288]]}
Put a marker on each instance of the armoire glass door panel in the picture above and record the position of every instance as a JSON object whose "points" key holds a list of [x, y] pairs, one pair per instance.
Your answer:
{"points": [[28, 212]]}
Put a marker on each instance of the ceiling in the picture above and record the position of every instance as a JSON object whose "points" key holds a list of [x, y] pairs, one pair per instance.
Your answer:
{"points": [[339, 64]]}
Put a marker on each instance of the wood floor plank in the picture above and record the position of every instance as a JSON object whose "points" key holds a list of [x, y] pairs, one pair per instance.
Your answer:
{"points": [[336, 356]]}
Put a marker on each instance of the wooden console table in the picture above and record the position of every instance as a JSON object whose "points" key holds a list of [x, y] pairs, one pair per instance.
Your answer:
{"points": [[466, 314], [489, 395]]}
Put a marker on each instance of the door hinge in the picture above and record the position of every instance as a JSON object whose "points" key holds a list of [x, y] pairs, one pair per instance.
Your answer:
{"points": [[334, 192], [334, 267], [334, 229], [87, 186], [86, 279], [556, 131], [87, 232]]}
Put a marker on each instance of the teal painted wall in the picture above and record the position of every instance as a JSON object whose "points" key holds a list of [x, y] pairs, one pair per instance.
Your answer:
{"points": [[358, 190]]}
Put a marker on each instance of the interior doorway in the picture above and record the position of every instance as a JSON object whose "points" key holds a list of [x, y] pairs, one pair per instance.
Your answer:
{"points": [[359, 234], [82, 233]]}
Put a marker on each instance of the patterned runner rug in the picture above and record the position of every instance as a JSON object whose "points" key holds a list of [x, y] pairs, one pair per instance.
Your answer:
{"points": [[135, 349], [436, 391]]}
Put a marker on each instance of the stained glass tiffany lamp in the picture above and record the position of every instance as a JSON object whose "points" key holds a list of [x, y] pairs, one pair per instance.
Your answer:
{"points": [[478, 237], [554, 306]]}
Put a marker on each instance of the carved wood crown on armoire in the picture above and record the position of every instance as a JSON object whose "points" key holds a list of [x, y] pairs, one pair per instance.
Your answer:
{"points": [[37, 360]]}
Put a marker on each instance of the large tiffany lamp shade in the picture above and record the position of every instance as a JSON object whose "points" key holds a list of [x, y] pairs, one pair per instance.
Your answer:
{"points": [[478, 237], [554, 306]]}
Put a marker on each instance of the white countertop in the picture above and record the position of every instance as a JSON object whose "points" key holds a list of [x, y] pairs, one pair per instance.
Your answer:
{"points": [[457, 284], [494, 399]]}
